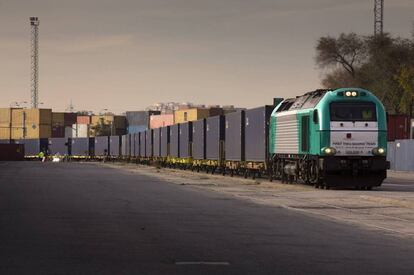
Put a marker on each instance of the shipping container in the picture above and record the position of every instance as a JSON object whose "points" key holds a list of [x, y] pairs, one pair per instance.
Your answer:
{"points": [[142, 143], [82, 147], [80, 130], [34, 131], [257, 133], [133, 129], [126, 145], [59, 146], [216, 111], [68, 132], [181, 116], [186, 139], [112, 121], [157, 142], [135, 142], [83, 120], [5, 116], [234, 132], [149, 138], [101, 146], [58, 131], [398, 127], [412, 128], [5, 133], [11, 152], [158, 121], [114, 146], [70, 119], [215, 135], [175, 140], [199, 139], [58, 118], [140, 118], [32, 147], [34, 116], [165, 141]]}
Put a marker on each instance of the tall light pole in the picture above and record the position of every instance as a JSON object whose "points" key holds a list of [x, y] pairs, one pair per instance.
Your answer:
{"points": [[34, 26], [378, 17]]}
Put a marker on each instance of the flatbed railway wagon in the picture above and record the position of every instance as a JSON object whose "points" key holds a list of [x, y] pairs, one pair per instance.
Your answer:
{"points": [[330, 138]]}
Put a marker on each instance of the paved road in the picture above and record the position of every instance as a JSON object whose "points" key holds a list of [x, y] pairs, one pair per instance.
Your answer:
{"points": [[60, 218]]}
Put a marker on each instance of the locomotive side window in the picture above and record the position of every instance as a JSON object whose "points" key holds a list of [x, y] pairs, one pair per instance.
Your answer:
{"points": [[353, 111]]}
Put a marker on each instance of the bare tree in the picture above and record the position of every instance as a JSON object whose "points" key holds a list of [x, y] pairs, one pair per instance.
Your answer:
{"points": [[347, 51]]}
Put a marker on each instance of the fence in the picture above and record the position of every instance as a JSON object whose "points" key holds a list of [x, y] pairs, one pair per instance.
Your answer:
{"points": [[401, 154]]}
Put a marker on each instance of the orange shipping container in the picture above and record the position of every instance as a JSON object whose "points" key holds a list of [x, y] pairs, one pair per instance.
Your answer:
{"points": [[5, 116], [181, 116], [158, 121], [83, 120]]}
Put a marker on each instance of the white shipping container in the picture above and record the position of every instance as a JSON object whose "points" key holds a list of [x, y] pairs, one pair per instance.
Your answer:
{"points": [[68, 132], [80, 130]]}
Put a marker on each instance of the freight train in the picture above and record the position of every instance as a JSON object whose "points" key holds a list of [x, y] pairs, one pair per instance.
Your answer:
{"points": [[326, 138]]}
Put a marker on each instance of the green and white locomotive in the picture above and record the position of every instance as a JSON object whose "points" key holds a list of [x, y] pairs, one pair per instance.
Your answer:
{"points": [[330, 138]]}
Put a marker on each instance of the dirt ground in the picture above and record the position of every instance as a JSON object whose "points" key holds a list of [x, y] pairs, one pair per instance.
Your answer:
{"points": [[388, 209]]}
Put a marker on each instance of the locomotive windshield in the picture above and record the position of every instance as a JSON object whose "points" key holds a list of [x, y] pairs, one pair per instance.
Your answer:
{"points": [[353, 111]]}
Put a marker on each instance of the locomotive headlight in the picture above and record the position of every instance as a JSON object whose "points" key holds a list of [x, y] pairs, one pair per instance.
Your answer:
{"points": [[330, 151], [354, 93], [378, 151], [348, 93]]}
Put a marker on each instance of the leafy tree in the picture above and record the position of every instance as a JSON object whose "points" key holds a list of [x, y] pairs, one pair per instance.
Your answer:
{"points": [[381, 64], [347, 51], [102, 128]]}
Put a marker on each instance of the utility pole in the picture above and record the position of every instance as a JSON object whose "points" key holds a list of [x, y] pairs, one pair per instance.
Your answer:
{"points": [[378, 17], [34, 26]]}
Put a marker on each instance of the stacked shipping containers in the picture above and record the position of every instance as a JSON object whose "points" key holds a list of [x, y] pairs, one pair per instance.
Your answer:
{"points": [[5, 123], [139, 121], [32, 123], [158, 121], [398, 127], [112, 125], [181, 116]]}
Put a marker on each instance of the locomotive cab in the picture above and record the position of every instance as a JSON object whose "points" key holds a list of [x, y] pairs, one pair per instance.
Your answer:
{"points": [[356, 152]]}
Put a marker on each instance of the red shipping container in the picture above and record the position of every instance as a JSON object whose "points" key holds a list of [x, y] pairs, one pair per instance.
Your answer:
{"points": [[158, 121], [83, 120], [58, 131], [398, 127], [70, 119]]}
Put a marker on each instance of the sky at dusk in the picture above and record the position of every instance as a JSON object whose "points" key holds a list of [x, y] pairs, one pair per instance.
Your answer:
{"points": [[128, 54]]}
